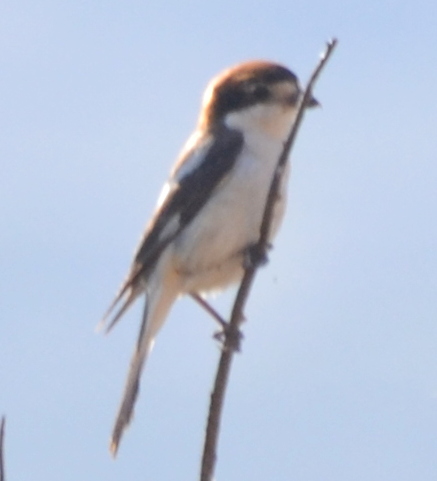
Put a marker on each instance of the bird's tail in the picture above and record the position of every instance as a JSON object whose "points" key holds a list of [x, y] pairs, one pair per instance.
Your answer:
{"points": [[160, 298]]}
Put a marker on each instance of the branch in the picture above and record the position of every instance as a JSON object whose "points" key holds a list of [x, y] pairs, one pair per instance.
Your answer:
{"points": [[2, 461], [232, 333]]}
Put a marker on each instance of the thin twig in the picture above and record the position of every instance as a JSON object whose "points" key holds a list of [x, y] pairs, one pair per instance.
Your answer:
{"points": [[2, 460], [232, 333]]}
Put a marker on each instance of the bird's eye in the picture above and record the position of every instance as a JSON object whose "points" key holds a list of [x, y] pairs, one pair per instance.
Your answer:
{"points": [[259, 91]]}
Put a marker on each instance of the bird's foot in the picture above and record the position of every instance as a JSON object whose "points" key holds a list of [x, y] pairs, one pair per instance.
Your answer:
{"points": [[256, 256], [229, 337]]}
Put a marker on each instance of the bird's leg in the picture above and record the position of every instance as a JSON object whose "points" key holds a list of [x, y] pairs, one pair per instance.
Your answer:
{"points": [[223, 334], [210, 310]]}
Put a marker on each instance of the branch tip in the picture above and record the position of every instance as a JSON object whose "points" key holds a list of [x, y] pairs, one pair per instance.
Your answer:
{"points": [[232, 332]]}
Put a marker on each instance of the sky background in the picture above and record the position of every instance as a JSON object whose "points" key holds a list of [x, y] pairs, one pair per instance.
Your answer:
{"points": [[337, 380]]}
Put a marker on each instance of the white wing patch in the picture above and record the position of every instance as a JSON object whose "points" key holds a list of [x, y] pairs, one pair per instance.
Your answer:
{"points": [[166, 190], [171, 227], [192, 155]]}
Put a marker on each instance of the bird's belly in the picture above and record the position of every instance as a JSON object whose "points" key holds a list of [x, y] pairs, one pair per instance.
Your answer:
{"points": [[209, 253]]}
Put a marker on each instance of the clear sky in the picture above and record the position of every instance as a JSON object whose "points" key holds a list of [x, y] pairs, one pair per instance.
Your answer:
{"points": [[337, 380]]}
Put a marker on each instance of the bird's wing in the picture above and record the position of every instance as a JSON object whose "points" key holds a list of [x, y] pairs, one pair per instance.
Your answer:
{"points": [[198, 172]]}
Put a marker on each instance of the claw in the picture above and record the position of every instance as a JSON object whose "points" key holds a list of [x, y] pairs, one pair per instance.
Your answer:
{"points": [[229, 338], [256, 256]]}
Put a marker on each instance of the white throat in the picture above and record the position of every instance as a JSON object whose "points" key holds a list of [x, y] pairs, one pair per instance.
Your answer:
{"points": [[271, 120]]}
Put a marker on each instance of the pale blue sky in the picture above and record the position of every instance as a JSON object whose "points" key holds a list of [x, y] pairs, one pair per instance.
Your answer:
{"points": [[338, 376]]}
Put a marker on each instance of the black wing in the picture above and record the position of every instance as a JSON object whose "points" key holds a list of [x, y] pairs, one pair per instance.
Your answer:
{"points": [[185, 199]]}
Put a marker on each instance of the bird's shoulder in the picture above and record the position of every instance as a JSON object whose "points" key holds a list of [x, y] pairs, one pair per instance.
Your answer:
{"points": [[205, 161]]}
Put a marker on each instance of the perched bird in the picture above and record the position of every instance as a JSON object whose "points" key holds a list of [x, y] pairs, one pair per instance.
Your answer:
{"points": [[210, 211]]}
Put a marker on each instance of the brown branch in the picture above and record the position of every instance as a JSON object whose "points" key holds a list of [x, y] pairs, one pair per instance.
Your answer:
{"points": [[232, 333], [2, 461]]}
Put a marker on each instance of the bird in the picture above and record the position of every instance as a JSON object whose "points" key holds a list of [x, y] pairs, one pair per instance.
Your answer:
{"points": [[210, 210]]}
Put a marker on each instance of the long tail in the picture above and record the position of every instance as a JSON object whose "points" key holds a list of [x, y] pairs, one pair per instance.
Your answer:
{"points": [[129, 291], [159, 301]]}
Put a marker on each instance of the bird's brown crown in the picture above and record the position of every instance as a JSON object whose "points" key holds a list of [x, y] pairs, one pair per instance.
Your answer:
{"points": [[245, 85]]}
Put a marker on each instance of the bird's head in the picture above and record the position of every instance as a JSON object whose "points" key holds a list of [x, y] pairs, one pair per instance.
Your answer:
{"points": [[257, 94]]}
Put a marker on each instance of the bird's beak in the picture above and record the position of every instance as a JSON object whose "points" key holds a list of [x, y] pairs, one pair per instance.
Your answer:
{"points": [[313, 102]]}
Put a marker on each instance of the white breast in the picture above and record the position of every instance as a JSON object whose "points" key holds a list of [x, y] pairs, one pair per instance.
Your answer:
{"points": [[209, 252]]}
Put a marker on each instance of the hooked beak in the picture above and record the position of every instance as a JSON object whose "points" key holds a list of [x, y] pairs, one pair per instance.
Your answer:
{"points": [[312, 102]]}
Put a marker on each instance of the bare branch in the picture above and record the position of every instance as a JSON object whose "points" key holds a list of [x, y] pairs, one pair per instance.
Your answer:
{"points": [[2, 461], [232, 333]]}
